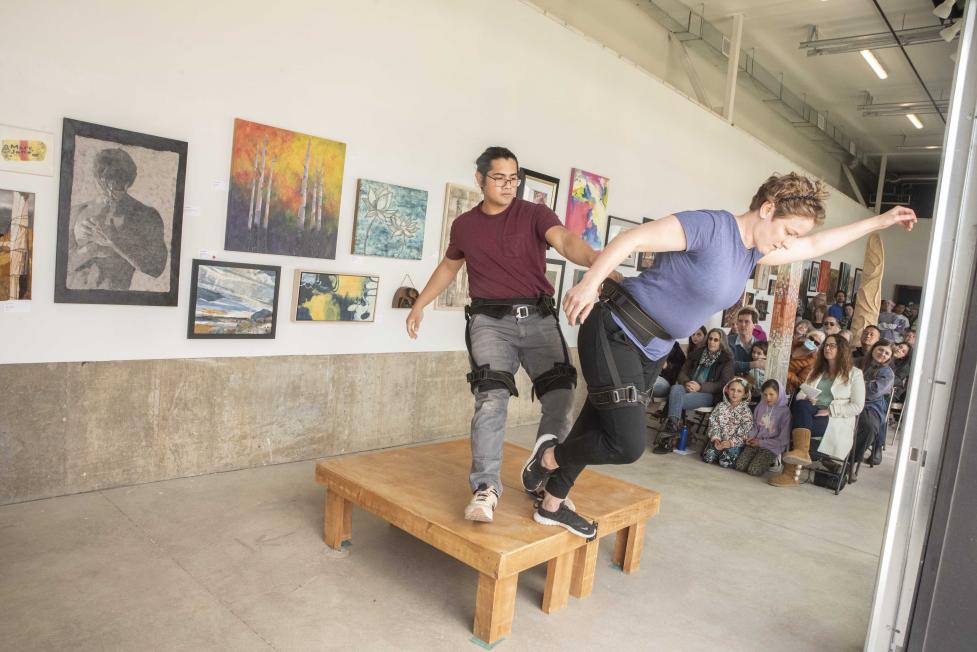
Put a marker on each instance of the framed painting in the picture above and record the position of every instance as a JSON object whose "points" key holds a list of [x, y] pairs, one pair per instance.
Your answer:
{"points": [[120, 216], [832, 285], [578, 276], [16, 244], [761, 276], [616, 226], [645, 259], [538, 188], [812, 280], [458, 199], [555, 269], [587, 207], [284, 192], [389, 220], [26, 151], [325, 297], [824, 276], [844, 278], [856, 283], [762, 305], [771, 285], [233, 300]]}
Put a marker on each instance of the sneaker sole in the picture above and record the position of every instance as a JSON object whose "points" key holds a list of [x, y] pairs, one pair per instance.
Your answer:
{"points": [[539, 442], [542, 520], [478, 516]]}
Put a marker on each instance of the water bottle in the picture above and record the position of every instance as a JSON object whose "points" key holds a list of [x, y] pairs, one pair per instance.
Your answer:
{"points": [[683, 438]]}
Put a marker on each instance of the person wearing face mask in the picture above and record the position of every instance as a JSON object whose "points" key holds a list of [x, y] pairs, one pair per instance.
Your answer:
{"points": [[802, 357], [879, 379], [824, 424], [702, 263]]}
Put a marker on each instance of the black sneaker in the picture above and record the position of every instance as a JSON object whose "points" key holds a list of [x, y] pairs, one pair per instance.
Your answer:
{"points": [[566, 518], [664, 445], [534, 474]]}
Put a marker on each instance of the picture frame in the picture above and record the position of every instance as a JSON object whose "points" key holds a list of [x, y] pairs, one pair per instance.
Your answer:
{"points": [[824, 276], [120, 191], [16, 244], [616, 226], [812, 281], [856, 284], [538, 188], [26, 151], [844, 279], [231, 300], [328, 297], [771, 285], [762, 305], [645, 259], [586, 210], [389, 220], [578, 276], [555, 270], [458, 199]]}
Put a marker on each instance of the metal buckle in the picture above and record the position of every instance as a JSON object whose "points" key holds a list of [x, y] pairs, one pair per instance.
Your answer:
{"points": [[521, 312], [628, 394]]}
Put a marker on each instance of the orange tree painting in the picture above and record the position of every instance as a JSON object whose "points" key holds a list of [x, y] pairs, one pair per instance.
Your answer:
{"points": [[284, 192]]}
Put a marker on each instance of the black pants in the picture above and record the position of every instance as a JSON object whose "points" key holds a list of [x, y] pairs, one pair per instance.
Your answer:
{"points": [[614, 436], [866, 433]]}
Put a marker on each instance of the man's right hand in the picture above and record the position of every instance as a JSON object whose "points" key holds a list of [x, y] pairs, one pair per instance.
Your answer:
{"points": [[414, 318]]}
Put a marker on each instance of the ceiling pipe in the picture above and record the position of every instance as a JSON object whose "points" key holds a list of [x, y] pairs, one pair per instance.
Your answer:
{"points": [[875, 41]]}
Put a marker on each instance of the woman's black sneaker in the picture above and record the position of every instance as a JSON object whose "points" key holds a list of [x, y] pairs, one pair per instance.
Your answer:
{"points": [[663, 446], [534, 474], [566, 518]]}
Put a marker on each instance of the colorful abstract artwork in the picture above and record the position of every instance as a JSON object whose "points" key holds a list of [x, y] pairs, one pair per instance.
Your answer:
{"points": [[615, 227], [389, 220], [538, 188], [16, 244], [233, 300], [587, 207], [457, 200], [321, 297], [824, 276], [284, 192], [120, 216]]}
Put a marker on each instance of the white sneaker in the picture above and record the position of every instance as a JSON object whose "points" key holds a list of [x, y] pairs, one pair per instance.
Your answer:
{"points": [[482, 505]]}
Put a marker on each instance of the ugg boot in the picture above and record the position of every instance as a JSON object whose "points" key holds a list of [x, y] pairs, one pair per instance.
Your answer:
{"points": [[800, 454], [791, 477]]}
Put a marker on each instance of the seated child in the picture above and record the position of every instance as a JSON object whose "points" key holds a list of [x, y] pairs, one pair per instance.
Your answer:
{"points": [[757, 375], [729, 425], [770, 433]]}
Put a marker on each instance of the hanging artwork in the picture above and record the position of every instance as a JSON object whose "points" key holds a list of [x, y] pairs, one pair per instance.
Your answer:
{"points": [[284, 192], [832, 285], [771, 284], [319, 297], [761, 277], [26, 151], [812, 281], [389, 220], [616, 226], [120, 216], [233, 300], [729, 315], [555, 270], [578, 275], [16, 244], [457, 200], [646, 259], [856, 283], [824, 276], [538, 188], [762, 306], [844, 278], [587, 207]]}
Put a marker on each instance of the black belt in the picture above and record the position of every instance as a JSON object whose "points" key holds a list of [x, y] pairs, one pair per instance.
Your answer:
{"points": [[642, 325], [518, 308]]}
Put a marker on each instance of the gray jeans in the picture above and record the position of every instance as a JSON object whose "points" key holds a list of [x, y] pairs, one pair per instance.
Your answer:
{"points": [[504, 344]]}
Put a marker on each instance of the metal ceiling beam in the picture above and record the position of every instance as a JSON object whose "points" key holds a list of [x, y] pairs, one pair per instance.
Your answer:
{"points": [[877, 41], [919, 107]]}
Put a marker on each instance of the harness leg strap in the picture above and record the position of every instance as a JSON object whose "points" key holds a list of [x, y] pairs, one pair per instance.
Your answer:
{"points": [[561, 376], [483, 379]]}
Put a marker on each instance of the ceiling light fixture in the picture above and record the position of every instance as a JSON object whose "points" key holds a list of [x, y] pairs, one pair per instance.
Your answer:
{"points": [[913, 119], [943, 10], [874, 64], [950, 32]]}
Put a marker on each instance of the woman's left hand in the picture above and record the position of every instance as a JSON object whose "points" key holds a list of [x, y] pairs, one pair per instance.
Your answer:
{"points": [[579, 301], [899, 215]]}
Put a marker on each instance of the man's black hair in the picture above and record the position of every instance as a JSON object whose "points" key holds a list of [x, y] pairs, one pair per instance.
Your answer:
{"points": [[484, 162]]}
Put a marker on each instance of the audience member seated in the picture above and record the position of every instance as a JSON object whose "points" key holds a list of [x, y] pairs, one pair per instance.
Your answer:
{"points": [[802, 357], [832, 326], [741, 341], [878, 384], [846, 334], [837, 309], [870, 335], [848, 316], [910, 337], [674, 362], [758, 375], [902, 363], [729, 425], [700, 384], [802, 328], [817, 310], [824, 424], [892, 324], [770, 434]]}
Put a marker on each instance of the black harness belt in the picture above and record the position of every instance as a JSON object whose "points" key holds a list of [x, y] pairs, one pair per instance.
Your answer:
{"points": [[642, 325]]}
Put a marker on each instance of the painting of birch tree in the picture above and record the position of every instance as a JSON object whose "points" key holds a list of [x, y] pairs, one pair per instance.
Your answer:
{"points": [[284, 192]]}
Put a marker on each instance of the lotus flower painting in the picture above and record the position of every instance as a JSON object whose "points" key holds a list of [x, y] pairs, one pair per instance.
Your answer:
{"points": [[389, 220]]}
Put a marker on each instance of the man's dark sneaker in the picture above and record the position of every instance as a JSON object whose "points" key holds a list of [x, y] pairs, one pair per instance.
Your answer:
{"points": [[566, 518], [534, 474], [664, 445]]}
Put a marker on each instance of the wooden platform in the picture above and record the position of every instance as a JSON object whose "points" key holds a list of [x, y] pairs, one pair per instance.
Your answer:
{"points": [[423, 490]]}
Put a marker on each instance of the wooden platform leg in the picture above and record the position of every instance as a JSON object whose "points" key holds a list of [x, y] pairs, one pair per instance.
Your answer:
{"points": [[584, 567], [558, 572], [627, 547], [338, 520], [495, 603]]}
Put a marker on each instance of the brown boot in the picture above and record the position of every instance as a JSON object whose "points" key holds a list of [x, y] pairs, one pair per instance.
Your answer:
{"points": [[791, 477], [800, 454]]}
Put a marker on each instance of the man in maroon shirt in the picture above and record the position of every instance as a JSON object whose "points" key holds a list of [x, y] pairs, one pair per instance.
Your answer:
{"points": [[512, 319]]}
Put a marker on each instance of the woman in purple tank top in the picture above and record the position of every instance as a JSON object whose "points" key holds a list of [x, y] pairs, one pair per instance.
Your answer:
{"points": [[703, 260]]}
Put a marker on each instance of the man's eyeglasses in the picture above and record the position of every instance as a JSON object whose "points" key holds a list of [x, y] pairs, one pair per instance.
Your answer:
{"points": [[830, 323], [501, 180]]}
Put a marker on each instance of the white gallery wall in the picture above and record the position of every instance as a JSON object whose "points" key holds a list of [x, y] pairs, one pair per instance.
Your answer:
{"points": [[415, 89]]}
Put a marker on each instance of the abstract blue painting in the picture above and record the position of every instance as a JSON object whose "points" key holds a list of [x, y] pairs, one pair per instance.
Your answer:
{"points": [[389, 220]]}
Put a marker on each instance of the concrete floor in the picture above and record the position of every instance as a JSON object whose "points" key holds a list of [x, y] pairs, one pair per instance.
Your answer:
{"points": [[235, 561]]}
